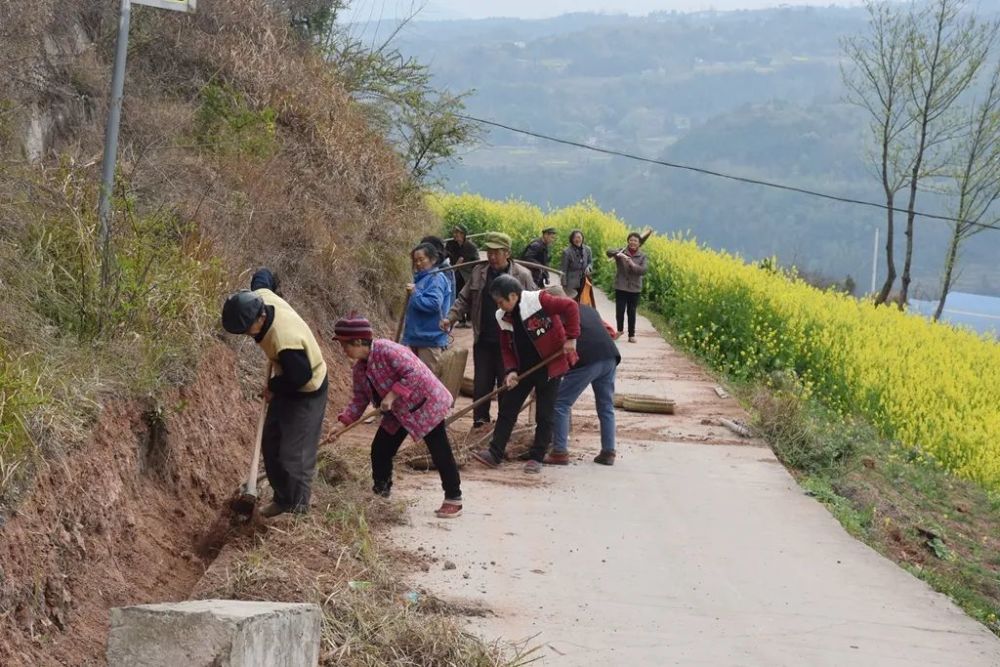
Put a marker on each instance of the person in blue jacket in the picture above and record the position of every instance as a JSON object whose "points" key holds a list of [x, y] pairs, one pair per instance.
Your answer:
{"points": [[430, 297]]}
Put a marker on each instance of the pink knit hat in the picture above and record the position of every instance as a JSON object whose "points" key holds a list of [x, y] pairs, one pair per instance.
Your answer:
{"points": [[352, 327]]}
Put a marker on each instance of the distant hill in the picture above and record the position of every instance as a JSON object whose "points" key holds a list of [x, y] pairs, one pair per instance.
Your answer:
{"points": [[755, 93]]}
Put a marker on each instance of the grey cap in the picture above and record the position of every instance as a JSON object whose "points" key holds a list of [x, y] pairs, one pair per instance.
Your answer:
{"points": [[240, 310]]}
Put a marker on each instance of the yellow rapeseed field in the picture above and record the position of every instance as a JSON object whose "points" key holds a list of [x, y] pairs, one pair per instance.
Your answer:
{"points": [[927, 386]]}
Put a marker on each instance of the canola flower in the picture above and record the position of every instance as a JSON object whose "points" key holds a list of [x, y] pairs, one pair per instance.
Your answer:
{"points": [[929, 386]]}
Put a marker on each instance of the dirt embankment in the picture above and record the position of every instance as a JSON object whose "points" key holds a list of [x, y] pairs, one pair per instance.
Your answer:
{"points": [[120, 520]]}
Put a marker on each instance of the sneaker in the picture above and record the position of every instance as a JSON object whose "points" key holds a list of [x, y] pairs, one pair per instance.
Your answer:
{"points": [[449, 509], [533, 467], [485, 456], [605, 458], [631, 339], [272, 510], [555, 458], [383, 489]]}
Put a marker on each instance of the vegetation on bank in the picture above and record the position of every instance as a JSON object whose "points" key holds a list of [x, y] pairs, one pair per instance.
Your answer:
{"points": [[930, 387]]}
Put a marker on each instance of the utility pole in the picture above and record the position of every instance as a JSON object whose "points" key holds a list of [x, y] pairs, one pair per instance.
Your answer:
{"points": [[875, 262], [109, 163]]}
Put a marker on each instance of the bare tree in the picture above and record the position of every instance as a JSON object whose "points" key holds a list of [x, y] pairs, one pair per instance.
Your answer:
{"points": [[877, 82], [948, 47], [976, 179]]}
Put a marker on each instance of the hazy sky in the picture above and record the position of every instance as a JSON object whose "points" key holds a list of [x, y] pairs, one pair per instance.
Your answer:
{"points": [[363, 10]]}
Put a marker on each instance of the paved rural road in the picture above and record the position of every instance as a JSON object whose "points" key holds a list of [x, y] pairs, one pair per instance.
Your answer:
{"points": [[696, 548]]}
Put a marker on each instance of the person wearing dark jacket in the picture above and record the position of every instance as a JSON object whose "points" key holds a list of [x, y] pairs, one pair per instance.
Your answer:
{"points": [[577, 264], [596, 367], [295, 394], [539, 253], [460, 250], [474, 300], [534, 327]]}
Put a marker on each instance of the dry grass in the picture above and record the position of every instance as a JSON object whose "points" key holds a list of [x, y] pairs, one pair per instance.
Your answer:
{"points": [[377, 619]]}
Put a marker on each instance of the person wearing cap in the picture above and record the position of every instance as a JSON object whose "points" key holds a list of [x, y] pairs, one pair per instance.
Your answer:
{"points": [[295, 394], [461, 250], [538, 251], [535, 327], [474, 300], [412, 400]]}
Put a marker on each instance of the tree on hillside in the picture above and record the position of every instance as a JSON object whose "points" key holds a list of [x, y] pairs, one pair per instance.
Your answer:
{"points": [[425, 123], [948, 47], [976, 179], [877, 83]]}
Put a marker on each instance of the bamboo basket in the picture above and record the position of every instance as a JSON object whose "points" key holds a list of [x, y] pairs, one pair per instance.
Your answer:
{"points": [[648, 404], [451, 369]]}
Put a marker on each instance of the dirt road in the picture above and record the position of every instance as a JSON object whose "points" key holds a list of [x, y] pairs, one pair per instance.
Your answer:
{"points": [[696, 548]]}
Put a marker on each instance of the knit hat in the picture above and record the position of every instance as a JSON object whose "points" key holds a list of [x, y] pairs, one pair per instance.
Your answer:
{"points": [[496, 241], [352, 327], [240, 310]]}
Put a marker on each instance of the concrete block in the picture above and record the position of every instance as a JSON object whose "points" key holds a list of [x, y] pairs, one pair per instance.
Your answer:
{"points": [[215, 633]]}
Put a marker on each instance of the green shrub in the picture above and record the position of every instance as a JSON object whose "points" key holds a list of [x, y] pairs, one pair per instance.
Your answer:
{"points": [[226, 123]]}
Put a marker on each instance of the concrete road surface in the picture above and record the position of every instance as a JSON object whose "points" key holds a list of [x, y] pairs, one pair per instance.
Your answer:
{"points": [[696, 548]]}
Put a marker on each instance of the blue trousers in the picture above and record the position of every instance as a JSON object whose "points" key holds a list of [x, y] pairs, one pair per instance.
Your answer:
{"points": [[600, 376]]}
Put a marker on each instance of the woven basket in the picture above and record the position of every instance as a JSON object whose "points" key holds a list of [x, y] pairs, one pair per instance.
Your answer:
{"points": [[451, 368], [650, 404]]}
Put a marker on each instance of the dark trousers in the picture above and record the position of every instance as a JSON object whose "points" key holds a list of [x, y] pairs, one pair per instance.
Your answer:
{"points": [[292, 428], [512, 400], [459, 284], [384, 448], [626, 301], [487, 376]]}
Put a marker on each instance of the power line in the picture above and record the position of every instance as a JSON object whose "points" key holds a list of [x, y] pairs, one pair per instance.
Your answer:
{"points": [[719, 174]]}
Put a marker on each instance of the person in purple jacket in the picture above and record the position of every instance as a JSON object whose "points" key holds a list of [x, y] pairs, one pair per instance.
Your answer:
{"points": [[412, 400]]}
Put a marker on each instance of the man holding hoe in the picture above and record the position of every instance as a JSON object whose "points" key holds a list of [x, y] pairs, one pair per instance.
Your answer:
{"points": [[295, 394]]}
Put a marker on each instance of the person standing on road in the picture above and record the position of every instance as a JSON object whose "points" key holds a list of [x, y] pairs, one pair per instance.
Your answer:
{"points": [[577, 263], [430, 298], [631, 265], [295, 394], [412, 401], [538, 251], [596, 367], [534, 326], [474, 300], [460, 250]]}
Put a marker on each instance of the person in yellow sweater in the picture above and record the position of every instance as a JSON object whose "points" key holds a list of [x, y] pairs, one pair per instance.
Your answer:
{"points": [[296, 393]]}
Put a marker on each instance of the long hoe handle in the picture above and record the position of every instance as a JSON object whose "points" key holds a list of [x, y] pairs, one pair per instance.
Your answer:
{"points": [[359, 422], [478, 402], [251, 487]]}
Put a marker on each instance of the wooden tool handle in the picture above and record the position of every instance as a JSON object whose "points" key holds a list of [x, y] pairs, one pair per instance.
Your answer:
{"points": [[255, 461], [361, 420], [502, 388]]}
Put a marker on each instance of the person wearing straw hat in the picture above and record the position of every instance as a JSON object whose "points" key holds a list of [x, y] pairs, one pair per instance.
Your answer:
{"points": [[474, 300], [412, 400], [535, 327], [296, 393]]}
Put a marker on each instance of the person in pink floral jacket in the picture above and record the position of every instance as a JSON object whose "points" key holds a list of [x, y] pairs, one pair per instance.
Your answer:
{"points": [[412, 400]]}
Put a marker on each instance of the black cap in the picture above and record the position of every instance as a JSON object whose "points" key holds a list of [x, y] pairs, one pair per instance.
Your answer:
{"points": [[549, 230], [240, 311]]}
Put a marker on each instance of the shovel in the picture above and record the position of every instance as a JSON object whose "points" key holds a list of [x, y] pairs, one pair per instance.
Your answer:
{"points": [[246, 499]]}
